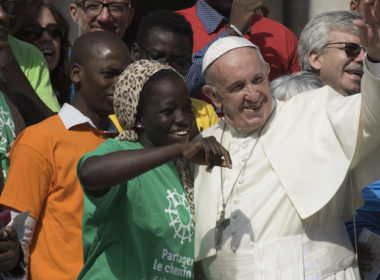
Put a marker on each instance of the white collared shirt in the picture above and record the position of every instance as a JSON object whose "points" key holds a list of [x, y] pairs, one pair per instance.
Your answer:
{"points": [[71, 117]]}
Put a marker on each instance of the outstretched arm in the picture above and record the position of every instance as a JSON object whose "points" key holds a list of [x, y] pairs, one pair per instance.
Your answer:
{"points": [[103, 172], [369, 28]]}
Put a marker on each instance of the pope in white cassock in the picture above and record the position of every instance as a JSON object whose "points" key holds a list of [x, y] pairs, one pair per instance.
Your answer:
{"points": [[297, 168]]}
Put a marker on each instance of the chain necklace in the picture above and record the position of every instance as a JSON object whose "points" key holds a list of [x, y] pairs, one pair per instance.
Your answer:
{"points": [[222, 223]]}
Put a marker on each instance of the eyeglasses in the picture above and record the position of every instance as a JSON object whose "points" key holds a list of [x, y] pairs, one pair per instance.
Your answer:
{"points": [[352, 50], [9, 6], [34, 32], [116, 9], [180, 63]]}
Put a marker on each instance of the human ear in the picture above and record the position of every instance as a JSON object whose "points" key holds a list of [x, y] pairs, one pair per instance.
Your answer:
{"points": [[268, 68], [212, 95], [73, 12], [354, 6], [131, 13], [75, 73], [315, 60], [136, 52]]}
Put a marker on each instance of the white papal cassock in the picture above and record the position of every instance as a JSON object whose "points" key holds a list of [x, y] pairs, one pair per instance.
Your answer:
{"points": [[303, 179]]}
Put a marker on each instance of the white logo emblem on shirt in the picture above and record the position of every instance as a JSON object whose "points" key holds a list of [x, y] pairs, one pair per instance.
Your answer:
{"points": [[183, 225]]}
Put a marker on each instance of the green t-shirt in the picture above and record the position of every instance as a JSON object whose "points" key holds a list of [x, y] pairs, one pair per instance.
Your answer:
{"points": [[141, 229], [7, 134], [32, 62]]}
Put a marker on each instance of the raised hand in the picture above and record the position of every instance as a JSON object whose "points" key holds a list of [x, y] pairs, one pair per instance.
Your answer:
{"points": [[369, 29], [207, 151], [242, 12]]}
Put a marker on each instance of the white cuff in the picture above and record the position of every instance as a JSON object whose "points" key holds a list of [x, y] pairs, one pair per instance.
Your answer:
{"points": [[373, 67]]}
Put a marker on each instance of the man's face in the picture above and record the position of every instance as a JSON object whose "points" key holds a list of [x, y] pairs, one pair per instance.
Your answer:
{"points": [[167, 48], [242, 88], [105, 20], [99, 74], [337, 69]]}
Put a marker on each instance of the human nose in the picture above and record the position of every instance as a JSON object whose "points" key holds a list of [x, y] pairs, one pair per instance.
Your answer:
{"points": [[361, 55], [45, 36], [164, 60], [104, 15], [183, 117], [251, 93]]}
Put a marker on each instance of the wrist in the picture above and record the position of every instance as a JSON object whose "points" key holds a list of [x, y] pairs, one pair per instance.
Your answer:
{"points": [[235, 30], [371, 59]]}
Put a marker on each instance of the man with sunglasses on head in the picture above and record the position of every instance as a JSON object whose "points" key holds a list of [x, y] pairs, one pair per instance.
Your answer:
{"points": [[330, 47], [107, 15]]}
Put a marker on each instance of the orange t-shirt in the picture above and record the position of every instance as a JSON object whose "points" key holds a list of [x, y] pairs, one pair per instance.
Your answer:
{"points": [[43, 180]]}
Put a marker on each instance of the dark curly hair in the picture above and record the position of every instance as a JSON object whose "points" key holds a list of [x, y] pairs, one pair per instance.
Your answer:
{"points": [[166, 20], [60, 77]]}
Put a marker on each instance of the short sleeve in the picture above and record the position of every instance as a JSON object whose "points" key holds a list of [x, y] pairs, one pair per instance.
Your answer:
{"points": [[27, 187]]}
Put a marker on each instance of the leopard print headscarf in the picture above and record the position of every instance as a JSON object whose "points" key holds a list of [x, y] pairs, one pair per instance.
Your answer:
{"points": [[127, 94], [126, 99]]}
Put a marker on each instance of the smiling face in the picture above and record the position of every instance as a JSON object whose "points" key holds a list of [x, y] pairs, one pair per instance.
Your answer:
{"points": [[241, 87], [336, 69], [165, 112], [102, 22], [49, 45]]}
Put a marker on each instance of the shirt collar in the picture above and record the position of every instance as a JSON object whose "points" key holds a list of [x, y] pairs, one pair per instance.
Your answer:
{"points": [[71, 117], [210, 18]]}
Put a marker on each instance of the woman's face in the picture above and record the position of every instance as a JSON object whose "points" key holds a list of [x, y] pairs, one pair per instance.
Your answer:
{"points": [[166, 114], [48, 43]]}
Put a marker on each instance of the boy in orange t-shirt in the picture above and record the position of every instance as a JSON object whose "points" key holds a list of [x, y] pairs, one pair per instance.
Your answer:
{"points": [[42, 176]]}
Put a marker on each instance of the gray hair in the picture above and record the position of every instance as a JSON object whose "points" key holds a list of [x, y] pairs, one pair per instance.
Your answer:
{"points": [[287, 86], [315, 34], [210, 79]]}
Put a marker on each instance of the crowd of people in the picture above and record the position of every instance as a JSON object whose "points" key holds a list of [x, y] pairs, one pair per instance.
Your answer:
{"points": [[214, 145]]}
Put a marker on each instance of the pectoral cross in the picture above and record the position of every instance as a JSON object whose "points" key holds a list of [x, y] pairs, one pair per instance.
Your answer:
{"points": [[221, 225]]}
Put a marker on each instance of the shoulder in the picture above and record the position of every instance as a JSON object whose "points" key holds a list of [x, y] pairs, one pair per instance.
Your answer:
{"points": [[24, 51], [114, 145], [214, 130], [46, 127]]}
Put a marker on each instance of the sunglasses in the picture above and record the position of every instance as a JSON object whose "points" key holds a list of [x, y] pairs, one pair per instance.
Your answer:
{"points": [[352, 50], [34, 32]]}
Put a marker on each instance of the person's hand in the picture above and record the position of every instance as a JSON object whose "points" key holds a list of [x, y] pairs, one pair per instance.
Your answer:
{"points": [[369, 29], [365, 256], [207, 151], [10, 249], [242, 12]]}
